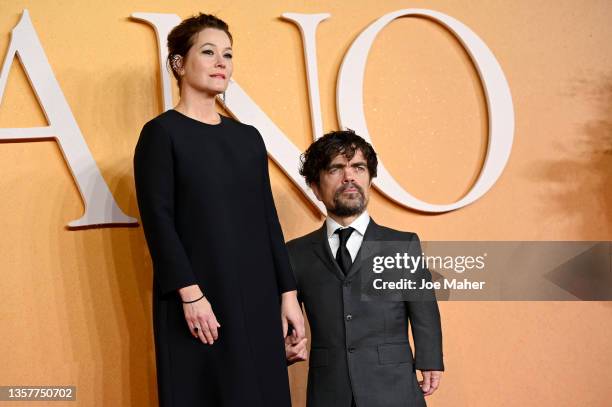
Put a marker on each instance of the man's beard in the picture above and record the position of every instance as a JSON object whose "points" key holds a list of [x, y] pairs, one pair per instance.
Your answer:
{"points": [[344, 207]]}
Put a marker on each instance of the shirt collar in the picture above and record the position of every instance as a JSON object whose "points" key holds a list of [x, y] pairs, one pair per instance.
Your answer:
{"points": [[360, 224]]}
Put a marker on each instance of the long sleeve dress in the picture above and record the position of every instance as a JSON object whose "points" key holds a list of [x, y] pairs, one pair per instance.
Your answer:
{"points": [[209, 219]]}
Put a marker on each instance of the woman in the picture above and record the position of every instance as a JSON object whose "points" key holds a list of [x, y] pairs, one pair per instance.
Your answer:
{"points": [[224, 293]]}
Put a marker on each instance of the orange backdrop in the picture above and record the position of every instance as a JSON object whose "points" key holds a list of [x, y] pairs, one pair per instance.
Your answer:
{"points": [[75, 306]]}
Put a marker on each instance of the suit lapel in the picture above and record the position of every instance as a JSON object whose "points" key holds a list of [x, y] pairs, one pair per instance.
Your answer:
{"points": [[320, 245], [371, 234]]}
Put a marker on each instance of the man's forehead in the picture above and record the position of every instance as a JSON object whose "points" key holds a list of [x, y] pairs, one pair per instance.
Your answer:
{"points": [[341, 158]]}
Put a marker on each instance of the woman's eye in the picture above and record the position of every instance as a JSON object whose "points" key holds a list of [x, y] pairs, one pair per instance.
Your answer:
{"points": [[228, 56], [208, 52]]}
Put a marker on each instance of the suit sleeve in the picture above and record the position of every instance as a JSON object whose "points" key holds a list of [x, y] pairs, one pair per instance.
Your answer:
{"points": [[154, 179], [284, 275], [425, 322]]}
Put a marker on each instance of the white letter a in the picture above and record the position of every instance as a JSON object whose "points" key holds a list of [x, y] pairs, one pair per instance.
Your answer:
{"points": [[100, 205]]}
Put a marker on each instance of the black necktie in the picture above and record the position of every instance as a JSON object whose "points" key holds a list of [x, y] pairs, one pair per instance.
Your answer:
{"points": [[343, 257]]}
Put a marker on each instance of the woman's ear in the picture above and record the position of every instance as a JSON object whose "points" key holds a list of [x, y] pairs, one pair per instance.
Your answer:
{"points": [[177, 65]]}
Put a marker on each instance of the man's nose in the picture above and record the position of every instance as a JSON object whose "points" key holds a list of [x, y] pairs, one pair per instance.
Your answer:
{"points": [[349, 175]]}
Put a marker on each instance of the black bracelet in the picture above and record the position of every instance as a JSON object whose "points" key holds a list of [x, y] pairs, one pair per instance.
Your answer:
{"points": [[190, 302]]}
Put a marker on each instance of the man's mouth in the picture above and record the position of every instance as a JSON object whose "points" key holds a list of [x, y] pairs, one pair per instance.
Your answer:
{"points": [[351, 189]]}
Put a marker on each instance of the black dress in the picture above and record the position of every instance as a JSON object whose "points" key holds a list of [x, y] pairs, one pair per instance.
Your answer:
{"points": [[209, 218]]}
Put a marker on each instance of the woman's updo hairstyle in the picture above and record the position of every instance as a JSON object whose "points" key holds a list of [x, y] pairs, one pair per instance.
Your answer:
{"points": [[181, 38]]}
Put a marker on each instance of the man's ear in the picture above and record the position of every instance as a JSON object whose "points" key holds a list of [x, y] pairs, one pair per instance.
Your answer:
{"points": [[315, 188]]}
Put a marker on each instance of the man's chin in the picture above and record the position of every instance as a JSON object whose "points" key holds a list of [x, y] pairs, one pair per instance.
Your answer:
{"points": [[348, 210]]}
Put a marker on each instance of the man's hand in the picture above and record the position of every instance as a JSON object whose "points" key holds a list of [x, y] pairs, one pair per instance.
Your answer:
{"points": [[431, 381], [295, 348]]}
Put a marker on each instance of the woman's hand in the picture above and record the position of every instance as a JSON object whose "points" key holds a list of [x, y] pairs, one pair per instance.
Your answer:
{"points": [[199, 315], [295, 349], [291, 314]]}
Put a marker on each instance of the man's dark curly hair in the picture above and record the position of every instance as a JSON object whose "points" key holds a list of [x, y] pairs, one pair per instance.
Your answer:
{"points": [[321, 153]]}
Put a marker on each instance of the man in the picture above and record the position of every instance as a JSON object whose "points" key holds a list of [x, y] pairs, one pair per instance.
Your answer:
{"points": [[360, 354]]}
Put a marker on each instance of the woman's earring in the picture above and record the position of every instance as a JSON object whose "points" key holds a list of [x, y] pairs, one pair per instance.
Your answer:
{"points": [[176, 63]]}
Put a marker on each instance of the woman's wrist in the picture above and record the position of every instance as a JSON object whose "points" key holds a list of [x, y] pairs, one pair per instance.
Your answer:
{"points": [[289, 295], [190, 293], [192, 301]]}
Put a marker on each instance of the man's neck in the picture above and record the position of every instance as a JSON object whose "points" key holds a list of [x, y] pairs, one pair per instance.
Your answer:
{"points": [[344, 221]]}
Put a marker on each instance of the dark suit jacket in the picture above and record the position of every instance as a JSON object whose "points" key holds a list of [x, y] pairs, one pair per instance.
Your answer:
{"points": [[360, 348]]}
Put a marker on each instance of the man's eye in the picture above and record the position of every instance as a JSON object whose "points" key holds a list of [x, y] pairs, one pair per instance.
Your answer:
{"points": [[360, 168]]}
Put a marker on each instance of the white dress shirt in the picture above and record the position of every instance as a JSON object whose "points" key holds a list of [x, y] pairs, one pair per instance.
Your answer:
{"points": [[354, 241]]}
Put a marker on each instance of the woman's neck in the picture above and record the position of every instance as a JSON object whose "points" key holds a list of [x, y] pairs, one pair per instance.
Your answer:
{"points": [[198, 106]]}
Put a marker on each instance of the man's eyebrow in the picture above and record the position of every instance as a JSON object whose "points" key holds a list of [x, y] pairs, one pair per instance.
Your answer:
{"points": [[358, 163]]}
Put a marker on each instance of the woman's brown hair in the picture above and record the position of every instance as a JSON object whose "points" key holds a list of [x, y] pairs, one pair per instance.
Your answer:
{"points": [[181, 38]]}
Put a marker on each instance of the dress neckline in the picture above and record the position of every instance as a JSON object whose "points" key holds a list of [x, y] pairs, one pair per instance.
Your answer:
{"points": [[199, 121]]}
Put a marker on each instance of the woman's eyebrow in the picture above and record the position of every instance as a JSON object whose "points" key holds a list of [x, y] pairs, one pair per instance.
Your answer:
{"points": [[211, 44]]}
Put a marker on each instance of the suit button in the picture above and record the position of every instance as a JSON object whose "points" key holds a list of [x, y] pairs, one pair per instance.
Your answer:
{"points": [[351, 350], [349, 317]]}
